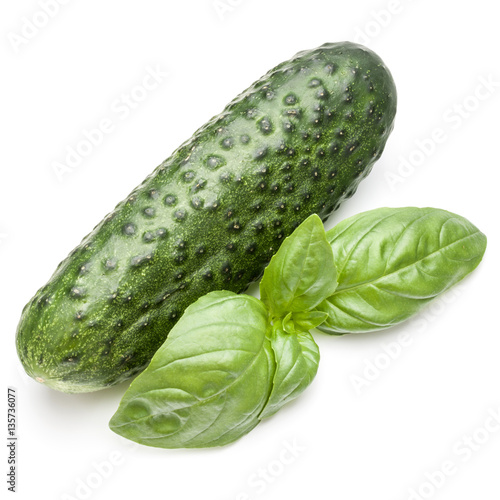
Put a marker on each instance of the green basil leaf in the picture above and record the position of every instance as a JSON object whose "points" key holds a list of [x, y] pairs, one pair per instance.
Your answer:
{"points": [[303, 321], [297, 359], [302, 273], [392, 261], [209, 381]]}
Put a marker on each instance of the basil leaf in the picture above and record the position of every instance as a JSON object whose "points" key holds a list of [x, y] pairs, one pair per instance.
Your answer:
{"points": [[303, 321], [302, 273], [208, 382], [297, 359], [392, 261]]}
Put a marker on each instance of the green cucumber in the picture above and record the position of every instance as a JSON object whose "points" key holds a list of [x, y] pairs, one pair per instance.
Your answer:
{"points": [[211, 216]]}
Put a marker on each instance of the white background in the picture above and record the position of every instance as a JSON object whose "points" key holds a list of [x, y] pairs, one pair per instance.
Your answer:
{"points": [[379, 442]]}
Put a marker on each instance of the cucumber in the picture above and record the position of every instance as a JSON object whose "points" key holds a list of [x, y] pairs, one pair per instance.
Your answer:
{"points": [[210, 217]]}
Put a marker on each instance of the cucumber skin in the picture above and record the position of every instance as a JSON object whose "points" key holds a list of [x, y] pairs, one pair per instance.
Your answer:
{"points": [[211, 216]]}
